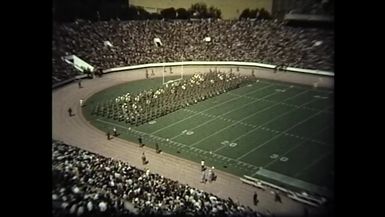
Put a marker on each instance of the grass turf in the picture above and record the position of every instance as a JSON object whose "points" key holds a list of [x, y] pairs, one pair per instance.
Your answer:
{"points": [[282, 127]]}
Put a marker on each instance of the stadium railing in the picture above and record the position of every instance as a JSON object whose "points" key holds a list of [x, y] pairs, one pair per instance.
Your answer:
{"points": [[219, 63], [202, 63]]}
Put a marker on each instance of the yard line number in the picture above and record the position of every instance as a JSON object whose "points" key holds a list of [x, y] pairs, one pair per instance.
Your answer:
{"points": [[187, 132], [283, 158], [231, 144]]}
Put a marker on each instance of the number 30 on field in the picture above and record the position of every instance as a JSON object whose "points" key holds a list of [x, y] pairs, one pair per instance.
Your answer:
{"points": [[275, 156], [232, 144]]}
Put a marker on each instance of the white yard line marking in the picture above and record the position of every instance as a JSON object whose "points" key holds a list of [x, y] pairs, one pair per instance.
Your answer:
{"points": [[261, 126], [299, 87], [308, 102], [283, 102], [174, 123], [285, 153], [312, 163], [296, 146], [204, 138], [181, 144], [180, 134], [220, 117], [275, 136]]}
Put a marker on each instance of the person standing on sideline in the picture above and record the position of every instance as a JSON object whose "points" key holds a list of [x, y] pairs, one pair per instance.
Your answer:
{"points": [[140, 142], [81, 103], [144, 161], [157, 148], [108, 135], [214, 177], [255, 198], [277, 197], [203, 177], [70, 111], [210, 175], [202, 165], [80, 83], [115, 132]]}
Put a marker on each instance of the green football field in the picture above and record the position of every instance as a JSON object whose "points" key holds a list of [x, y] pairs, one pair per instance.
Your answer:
{"points": [[279, 132]]}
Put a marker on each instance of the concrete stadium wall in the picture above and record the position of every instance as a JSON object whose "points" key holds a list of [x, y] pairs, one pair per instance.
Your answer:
{"points": [[265, 71]]}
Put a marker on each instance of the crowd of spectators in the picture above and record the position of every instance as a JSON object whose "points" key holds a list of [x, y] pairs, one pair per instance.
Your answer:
{"points": [[87, 184], [115, 43]]}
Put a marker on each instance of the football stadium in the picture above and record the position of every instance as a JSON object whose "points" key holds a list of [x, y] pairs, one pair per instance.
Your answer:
{"points": [[193, 116]]}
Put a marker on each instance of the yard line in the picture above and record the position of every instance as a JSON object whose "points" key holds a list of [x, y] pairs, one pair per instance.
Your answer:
{"points": [[275, 136], [193, 128], [300, 87], [303, 92], [284, 154], [214, 117], [174, 123], [282, 102], [222, 118], [255, 173], [314, 99], [195, 143], [260, 126], [163, 139], [268, 100], [319, 132], [313, 163], [253, 126]]}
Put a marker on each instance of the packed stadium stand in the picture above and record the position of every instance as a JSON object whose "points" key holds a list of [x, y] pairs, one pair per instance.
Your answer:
{"points": [[87, 184], [110, 44]]}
